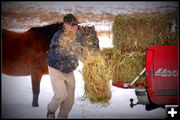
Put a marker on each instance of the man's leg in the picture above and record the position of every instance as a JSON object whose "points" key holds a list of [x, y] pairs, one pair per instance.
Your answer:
{"points": [[69, 101], [59, 89]]}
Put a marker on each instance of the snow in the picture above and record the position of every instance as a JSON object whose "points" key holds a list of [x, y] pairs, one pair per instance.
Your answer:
{"points": [[99, 26], [105, 42], [17, 91], [17, 98]]}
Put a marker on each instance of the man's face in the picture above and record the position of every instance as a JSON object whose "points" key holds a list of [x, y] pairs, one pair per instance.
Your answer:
{"points": [[73, 28]]}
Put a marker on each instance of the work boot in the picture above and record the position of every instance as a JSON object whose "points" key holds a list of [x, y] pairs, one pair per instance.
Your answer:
{"points": [[50, 115]]}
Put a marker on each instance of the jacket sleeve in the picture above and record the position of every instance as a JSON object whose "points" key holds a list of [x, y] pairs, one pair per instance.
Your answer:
{"points": [[54, 40], [53, 52]]}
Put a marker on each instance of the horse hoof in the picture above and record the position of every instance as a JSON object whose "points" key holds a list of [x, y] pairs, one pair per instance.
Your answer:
{"points": [[35, 105]]}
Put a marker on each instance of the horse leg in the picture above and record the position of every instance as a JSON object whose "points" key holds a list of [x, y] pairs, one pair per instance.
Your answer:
{"points": [[36, 79]]}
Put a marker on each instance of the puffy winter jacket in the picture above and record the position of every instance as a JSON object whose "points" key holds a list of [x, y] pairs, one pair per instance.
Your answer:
{"points": [[57, 59]]}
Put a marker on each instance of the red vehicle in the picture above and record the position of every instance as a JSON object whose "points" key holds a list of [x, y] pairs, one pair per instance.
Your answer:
{"points": [[162, 78]]}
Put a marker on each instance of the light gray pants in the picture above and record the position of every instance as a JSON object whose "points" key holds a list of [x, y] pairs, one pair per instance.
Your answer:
{"points": [[63, 87]]}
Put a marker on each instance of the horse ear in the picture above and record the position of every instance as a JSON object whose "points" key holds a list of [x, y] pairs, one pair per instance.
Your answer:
{"points": [[93, 27]]}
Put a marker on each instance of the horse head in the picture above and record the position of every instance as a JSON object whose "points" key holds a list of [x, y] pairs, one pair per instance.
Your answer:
{"points": [[89, 37]]}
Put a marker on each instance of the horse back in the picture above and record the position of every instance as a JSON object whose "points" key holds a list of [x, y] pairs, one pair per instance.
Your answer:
{"points": [[22, 52]]}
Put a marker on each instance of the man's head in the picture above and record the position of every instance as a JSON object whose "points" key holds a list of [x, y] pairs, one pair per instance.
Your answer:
{"points": [[70, 19], [71, 22]]}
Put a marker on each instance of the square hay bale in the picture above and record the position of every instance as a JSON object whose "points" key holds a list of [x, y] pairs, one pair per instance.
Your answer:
{"points": [[138, 31]]}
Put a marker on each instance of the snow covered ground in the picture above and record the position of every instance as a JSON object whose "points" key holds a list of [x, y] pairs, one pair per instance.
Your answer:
{"points": [[17, 98], [100, 6], [17, 92]]}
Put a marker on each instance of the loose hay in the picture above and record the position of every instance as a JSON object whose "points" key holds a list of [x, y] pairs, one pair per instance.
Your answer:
{"points": [[85, 46], [111, 57], [68, 43], [95, 72], [95, 75], [124, 67], [73, 43]]}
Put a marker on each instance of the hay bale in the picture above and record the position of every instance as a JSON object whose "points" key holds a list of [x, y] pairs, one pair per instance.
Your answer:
{"points": [[138, 31], [124, 67], [95, 75], [132, 35]]}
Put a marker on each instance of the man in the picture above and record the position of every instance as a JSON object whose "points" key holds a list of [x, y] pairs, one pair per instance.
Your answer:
{"points": [[61, 66]]}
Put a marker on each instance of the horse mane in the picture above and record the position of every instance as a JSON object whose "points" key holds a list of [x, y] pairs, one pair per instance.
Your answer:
{"points": [[48, 27], [48, 30]]}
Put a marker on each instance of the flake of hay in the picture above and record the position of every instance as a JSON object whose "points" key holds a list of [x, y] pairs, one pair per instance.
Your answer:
{"points": [[95, 75]]}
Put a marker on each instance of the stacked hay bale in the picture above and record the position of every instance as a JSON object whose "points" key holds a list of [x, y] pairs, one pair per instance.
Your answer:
{"points": [[132, 35], [138, 31]]}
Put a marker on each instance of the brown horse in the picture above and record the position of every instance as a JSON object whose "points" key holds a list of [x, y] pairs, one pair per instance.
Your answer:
{"points": [[24, 53]]}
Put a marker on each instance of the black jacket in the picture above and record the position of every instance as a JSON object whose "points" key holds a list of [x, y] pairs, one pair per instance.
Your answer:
{"points": [[57, 59]]}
